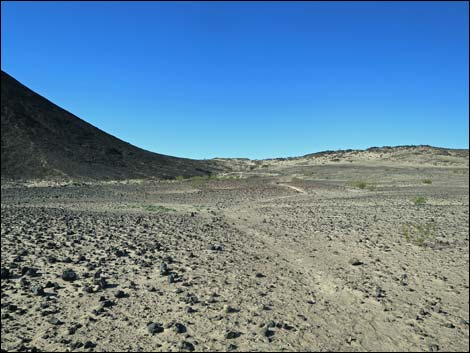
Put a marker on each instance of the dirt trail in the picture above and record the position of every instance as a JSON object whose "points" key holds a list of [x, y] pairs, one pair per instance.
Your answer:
{"points": [[327, 303], [300, 190]]}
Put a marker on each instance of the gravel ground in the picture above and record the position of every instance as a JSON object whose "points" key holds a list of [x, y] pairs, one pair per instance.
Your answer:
{"points": [[297, 258]]}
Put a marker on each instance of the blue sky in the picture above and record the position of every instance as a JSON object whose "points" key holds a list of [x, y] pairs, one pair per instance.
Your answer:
{"points": [[249, 79]]}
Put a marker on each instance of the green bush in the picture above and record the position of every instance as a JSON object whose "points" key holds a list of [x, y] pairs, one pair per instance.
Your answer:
{"points": [[427, 181], [420, 234], [419, 200], [361, 184]]}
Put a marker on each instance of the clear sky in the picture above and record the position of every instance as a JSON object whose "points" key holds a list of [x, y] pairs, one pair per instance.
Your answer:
{"points": [[249, 79]]}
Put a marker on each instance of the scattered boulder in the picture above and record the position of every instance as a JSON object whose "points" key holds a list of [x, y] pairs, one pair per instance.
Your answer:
{"points": [[356, 262], [155, 328], [266, 332], [163, 269], [38, 290], [229, 310], [229, 334], [179, 328], [55, 321], [404, 280], [5, 273], [89, 344], [29, 271], [186, 346], [120, 294], [171, 278], [379, 292], [216, 247], [69, 275], [102, 283]]}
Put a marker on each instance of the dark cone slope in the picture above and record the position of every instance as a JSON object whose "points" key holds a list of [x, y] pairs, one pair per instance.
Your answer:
{"points": [[40, 140]]}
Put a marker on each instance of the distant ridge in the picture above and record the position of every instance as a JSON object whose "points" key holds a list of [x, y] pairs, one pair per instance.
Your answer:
{"points": [[388, 149], [40, 140]]}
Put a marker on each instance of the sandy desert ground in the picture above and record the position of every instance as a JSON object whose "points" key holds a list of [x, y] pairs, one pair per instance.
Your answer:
{"points": [[287, 256]]}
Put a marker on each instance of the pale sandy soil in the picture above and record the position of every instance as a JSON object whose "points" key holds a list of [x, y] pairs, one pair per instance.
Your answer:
{"points": [[300, 258]]}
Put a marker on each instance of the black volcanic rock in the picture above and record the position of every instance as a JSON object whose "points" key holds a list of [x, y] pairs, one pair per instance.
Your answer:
{"points": [[40, 140]]}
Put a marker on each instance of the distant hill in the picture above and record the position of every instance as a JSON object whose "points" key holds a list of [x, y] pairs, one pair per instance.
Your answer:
{"points": [[40, 140], [416, 156], [398, 151]]}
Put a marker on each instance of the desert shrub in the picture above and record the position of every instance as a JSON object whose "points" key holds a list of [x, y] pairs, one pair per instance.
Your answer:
{"points": [[179, 178], [421, 234], [199, 180], [427, 181], [361, 184], [200, 177], [418, 200]]}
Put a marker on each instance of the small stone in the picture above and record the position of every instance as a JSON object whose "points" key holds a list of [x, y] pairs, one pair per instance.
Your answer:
{"points": [[179, 328], [379, 292], [89, 344], [119, 253], [107, 303], [168, 259], [163, 269], [266, 332], [37, 290], [72, 329], [191, 299], [29, 271], [228, 309], [463, 322], [404, 280], [55, 321], [186, 346], [189, 310], [171, 278], [5, 273], [355, 262], [101, 283], [271, 324], [287, 327], [120, 294], [87, 289], [76, 345], [232, 334], [265, 307], [49, 284], [69, 275], [154, 328]]}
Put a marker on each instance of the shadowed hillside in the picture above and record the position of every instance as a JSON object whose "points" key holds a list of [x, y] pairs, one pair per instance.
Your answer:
{"points": [[43, 141]]}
